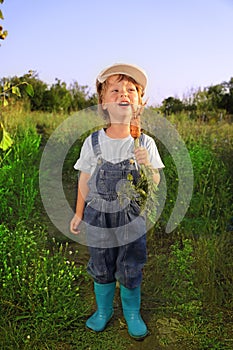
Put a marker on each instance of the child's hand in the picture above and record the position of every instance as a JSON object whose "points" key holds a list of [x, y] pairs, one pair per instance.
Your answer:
{"points": [[142, 156], [74, 224]]}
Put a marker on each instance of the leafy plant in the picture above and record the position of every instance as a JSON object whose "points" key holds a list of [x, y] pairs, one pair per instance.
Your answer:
{"points": [[8, 88], [3, 33], [143, 191], [5, 139], [182, 276]]}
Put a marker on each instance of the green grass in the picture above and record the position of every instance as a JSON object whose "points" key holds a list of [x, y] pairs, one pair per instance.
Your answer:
{"points": [[46, 296]]}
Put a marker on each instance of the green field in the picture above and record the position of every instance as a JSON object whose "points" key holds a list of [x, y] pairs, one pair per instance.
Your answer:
{"points": [[187, 294]]}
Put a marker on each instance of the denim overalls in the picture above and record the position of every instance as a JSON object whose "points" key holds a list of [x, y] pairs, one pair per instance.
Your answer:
{"points": [[116, 232]]}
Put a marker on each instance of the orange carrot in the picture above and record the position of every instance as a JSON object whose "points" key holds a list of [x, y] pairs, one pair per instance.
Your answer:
{"points": [[135, 129], [135, 124]]}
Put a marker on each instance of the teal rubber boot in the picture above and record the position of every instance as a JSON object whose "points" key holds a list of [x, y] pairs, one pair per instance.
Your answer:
{"points": [[131, 301], [104, 294]]}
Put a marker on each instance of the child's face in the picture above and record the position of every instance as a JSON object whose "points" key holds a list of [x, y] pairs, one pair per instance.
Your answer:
{"points": [[120, 97]]}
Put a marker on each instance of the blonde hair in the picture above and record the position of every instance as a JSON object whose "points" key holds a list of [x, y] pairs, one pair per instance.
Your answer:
{"points": [[101, 89]]}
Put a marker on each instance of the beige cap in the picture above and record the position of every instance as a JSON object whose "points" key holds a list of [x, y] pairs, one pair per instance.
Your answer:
{"points": [[131, 70]]}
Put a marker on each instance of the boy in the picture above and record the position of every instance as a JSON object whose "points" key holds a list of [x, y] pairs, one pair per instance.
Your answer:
{"points": [[116, 232]]}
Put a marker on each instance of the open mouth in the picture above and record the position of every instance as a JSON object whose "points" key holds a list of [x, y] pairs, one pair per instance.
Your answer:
{"points": [[124, 104]]}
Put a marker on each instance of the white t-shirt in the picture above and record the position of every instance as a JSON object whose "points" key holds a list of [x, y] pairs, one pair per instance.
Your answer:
{"points": [[114, 151]]}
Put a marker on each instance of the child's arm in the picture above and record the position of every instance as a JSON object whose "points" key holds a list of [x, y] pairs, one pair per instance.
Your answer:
{"points": [[142, 157], [83, 190]]}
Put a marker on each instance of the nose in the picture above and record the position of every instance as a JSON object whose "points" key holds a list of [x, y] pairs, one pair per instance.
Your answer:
{"points": [[124, 92]]}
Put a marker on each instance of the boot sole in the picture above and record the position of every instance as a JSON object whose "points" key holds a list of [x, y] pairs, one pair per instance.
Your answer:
{"points": [[141, 337], [102, 329]]}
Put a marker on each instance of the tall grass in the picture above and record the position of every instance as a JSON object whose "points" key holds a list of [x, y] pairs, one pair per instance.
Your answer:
{"points": [[190, 270], [42, 282], [18, 181], [187, 280], [38, 282]]}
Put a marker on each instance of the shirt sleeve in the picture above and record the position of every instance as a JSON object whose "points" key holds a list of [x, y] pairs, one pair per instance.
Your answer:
{"points": [[86, 160], [154, 155]]}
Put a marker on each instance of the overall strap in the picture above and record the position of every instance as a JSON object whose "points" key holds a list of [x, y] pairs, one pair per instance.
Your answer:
{"points": [[95, 143], [142, 140]]}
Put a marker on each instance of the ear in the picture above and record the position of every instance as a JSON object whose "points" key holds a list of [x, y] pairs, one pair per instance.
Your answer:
{"points": [[104, 106]]}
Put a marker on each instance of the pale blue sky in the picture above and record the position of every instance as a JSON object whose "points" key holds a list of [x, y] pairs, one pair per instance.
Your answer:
{"points": [[182, 44]]}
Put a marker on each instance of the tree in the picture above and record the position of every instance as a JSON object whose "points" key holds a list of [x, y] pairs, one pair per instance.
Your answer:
{"points": [[227, 99], [3, 33], [215, 95], [57, 98], [172, 105], [214, 101], [92, 100], [80, 97], [39, 87]]}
